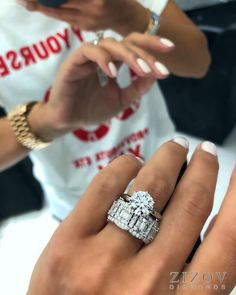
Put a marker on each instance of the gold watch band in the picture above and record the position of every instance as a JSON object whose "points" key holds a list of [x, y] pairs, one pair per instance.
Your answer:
{"points": [[21, 128]]}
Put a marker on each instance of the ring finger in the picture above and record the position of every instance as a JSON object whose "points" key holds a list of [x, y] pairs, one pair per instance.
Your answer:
{"points": [[158, 177]]}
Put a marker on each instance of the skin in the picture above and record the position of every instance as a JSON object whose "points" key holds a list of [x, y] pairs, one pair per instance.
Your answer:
{"points": [[87, 255], [73, 99], [189, 59]]}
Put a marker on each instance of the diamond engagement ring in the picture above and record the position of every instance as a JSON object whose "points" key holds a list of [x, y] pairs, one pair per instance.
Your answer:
{"points": [[136, 214]]}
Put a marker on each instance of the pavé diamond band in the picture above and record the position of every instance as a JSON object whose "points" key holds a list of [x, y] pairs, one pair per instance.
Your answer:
{"points": [[136, 215]]}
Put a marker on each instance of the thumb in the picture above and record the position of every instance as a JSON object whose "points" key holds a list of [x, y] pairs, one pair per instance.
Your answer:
{"points": [[136, 90]]}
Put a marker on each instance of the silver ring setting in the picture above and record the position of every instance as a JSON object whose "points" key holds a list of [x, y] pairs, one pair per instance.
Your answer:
{"points": [[136, 214]]}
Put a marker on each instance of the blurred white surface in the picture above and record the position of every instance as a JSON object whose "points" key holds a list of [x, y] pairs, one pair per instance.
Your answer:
{"points": [[22, 238]]}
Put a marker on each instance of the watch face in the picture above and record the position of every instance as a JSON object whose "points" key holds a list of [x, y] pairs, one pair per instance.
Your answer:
{"points": [[52, 3]]}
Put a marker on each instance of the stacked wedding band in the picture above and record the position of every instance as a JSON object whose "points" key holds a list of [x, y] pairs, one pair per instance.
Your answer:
{"points": [[136, 215]]}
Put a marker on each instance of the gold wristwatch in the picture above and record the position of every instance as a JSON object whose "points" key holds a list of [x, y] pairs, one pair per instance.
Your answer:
{"points": [[21, 127]]}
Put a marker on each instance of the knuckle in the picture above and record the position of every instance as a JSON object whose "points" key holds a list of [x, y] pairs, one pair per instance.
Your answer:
{"points": [[105, 182], [198, 200], [131, 159]]}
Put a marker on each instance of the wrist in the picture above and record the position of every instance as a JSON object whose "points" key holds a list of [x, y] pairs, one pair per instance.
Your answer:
{"points": [[42, 125], [135, 20]]}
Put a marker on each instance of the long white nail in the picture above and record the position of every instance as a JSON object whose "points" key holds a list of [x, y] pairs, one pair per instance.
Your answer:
{"points": [[167, 42], [182, 141], [144, 66], [209, 147], [162, 69], [112, 69]]}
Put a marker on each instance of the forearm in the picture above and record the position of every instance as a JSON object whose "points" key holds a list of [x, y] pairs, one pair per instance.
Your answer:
{"points": [[11, 151]]}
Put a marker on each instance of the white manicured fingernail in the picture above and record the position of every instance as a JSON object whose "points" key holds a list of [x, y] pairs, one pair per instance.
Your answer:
{"points": [[167, 42], [144, 66], [112, 69], [162, 69], [182, 141], [209, 147]]}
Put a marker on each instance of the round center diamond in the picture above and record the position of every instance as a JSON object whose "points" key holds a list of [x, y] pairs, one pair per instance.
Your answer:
{"points": [[141, 202]]}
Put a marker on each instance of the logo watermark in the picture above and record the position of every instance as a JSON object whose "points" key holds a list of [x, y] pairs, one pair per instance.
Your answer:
{"points": [[197, 280]]}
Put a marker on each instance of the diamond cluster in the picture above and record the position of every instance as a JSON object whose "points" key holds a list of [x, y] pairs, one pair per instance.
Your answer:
{"points": [[133, 215], [142, 203]]}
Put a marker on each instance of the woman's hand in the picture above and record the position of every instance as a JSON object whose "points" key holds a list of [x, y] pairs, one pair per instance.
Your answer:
{"points": [[191, 57], [94, 15], [77, 99], [87, 255]]}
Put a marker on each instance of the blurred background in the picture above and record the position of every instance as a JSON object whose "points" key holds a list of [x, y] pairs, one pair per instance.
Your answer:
{"points": [[201, 109]]}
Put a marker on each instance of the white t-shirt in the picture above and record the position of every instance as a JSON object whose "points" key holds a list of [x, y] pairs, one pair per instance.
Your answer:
{"points": [[32, 47]]}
